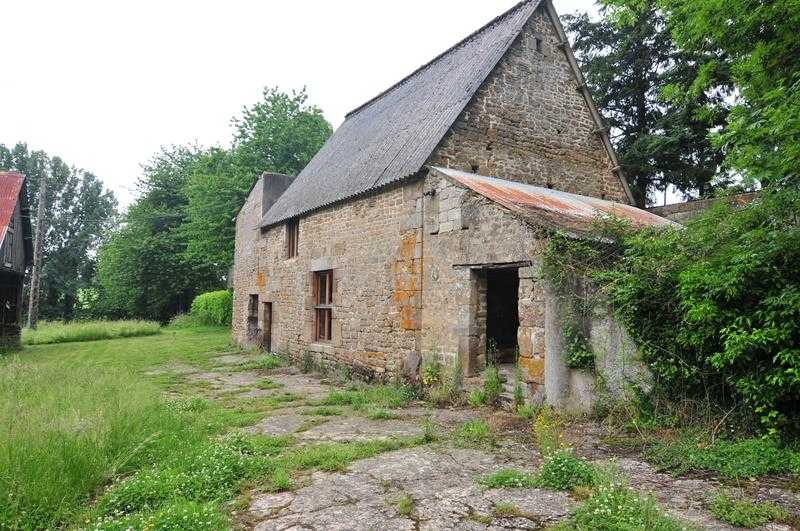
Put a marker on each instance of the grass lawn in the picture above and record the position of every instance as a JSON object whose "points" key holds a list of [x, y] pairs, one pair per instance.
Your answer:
{"points": [[75, 415], [58, 332], [89, 437]]}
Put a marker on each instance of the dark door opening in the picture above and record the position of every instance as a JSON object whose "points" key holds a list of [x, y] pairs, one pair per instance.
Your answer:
{"points": [[252, 318], [267, 334], [502, 315]]}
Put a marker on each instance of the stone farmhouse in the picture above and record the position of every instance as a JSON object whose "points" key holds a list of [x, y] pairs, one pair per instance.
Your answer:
{"points": [[417, 230]]}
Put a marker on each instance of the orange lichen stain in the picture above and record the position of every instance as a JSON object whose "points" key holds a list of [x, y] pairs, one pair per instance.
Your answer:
{"points": [[370, 357], [532, 369], [260, 280], [408, 243], [409, 318]]}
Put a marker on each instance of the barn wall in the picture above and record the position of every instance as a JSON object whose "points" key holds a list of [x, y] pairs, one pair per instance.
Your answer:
{"points": [[465, 233], [372, 245], [529, 123]]}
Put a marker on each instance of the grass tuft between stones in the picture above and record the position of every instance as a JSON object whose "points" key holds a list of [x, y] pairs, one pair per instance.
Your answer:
{"points": [[743, 512], [474, 433]]}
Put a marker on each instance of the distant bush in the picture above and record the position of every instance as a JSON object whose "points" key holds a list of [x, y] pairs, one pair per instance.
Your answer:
{"points": [[184, 320], [213, 308], [58, 332]]}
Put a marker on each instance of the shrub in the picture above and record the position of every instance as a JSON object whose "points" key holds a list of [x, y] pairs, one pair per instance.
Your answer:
{"points": [[492, 385], [476, 398], [508, 478], [743, 458], [579, 353], [431, 372], [526, 411], [474, 433], [447, 389], [548, 431], [615, 506], [741, 512], [307, 363], [562, 470], [715, 307], [361, 397], [178, 516], [404, 505], [214, 308], [60, 332]]}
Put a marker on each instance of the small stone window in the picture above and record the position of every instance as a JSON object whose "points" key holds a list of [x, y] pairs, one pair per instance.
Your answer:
{"points": [[537, 42], [323, 307], [292, 237]]}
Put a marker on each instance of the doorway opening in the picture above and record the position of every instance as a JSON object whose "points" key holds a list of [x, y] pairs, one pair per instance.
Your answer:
{"points": [[266, 341], [252, 318], [502, 315]]}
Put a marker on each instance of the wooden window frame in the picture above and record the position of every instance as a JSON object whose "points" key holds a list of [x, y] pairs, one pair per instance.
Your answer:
{"points": [[292, 238], [323, 306]]}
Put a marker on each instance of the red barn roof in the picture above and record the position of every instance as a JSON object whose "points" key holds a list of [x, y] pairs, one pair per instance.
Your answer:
{"points": [[12, 190], [10, 187]]}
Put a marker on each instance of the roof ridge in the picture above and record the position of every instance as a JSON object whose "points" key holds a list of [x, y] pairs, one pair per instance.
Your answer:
{"points": [[463, 41]]}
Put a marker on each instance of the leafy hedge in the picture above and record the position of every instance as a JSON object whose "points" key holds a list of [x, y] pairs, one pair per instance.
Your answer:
{"points": [[213, 308], [714, 307]]}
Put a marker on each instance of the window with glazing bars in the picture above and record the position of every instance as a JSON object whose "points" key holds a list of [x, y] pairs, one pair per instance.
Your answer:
{"points": [[323, 308], [292, 237]]}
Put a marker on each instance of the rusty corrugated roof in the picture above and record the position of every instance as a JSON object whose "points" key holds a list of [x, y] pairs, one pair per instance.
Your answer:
{"points": [[551, 208], [10, 187]]}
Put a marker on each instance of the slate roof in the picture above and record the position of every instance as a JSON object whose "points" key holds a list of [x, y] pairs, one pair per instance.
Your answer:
{"points": [[551, 208], [391, 136]]}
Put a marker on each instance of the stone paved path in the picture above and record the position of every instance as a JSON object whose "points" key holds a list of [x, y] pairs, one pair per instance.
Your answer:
{"points": [[439, 478]]}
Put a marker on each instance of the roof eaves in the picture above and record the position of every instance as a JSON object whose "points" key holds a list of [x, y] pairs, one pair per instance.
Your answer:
{"points": [[265, 224]]}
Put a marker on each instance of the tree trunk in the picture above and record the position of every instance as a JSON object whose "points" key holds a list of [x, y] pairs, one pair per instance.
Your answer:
{"points": [[33, 302]]}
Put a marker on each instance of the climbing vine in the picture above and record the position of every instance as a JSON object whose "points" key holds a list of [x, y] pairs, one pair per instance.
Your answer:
{"points": [[713, 307]]}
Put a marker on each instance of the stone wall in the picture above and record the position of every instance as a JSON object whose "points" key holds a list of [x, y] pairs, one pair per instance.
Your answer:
{"points": [[464, 234], [529, 123], [409, 261], [617, 366], [373, 245]]}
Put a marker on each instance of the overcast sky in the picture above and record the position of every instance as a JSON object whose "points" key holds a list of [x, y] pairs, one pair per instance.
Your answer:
{"points": [[103, 84]]}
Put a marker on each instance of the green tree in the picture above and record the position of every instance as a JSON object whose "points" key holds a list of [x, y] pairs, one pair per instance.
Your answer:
{"points": [[79, 212], [630, 63], [280, 133], [177, 238], [757, 43], [143, 269]]}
